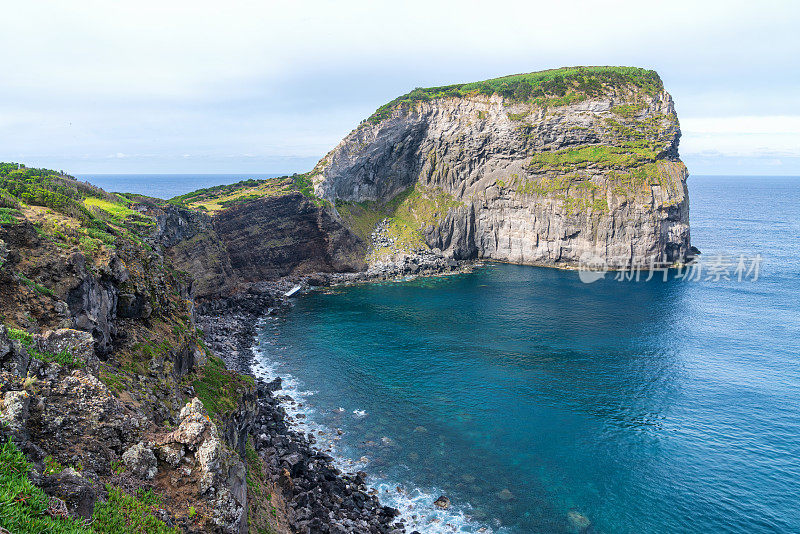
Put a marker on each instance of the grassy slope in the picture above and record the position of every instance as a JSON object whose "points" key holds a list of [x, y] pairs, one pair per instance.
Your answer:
{"points": [[24, 507], [408, 213], [214, 199], [548, 87]]}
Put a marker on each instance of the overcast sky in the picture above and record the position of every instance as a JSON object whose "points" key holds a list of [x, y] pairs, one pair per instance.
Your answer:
{"points": [[262, 87]]}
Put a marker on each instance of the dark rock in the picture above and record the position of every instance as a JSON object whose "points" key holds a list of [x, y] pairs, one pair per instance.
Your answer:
{"points": [[76, 491], [442, 502]]}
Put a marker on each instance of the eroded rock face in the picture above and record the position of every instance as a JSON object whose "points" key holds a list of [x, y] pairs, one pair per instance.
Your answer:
{"points": [[527, 183], [74, 410], [199, 457], [192, 245], [278, 236]]}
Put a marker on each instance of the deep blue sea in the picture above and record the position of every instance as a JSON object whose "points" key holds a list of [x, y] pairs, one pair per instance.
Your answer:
{"points": [[538, 403], [164, 185]]}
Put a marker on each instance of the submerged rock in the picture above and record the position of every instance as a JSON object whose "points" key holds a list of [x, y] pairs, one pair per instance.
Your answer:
{"points": [[442, 502], [505, 495], [577, 521]]}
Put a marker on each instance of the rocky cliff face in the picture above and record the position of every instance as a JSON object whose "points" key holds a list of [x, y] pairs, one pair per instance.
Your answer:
{"points": [[277, 236], [98, 353], [589, 167], [263, 239]]}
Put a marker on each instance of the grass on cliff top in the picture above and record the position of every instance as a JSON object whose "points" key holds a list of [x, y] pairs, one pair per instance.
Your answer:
{"points": [[117, 210], [23, 506], [214, 199], [98, 218], [552, 87]]}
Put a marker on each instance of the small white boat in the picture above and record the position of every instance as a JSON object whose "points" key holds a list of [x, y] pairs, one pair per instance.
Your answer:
{"points": [[292, 292]]}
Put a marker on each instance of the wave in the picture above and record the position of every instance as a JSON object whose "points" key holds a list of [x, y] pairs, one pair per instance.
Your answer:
{"points": [[415, 505]]}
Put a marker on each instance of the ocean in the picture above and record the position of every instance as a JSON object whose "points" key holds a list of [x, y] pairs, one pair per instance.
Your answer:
{"points": [[539, 403]]}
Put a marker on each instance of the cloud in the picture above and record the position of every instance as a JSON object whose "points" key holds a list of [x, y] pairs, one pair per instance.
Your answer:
{"points": [[741, 136], [282, 82]]}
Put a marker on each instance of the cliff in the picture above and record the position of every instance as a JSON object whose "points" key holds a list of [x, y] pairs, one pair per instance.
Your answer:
{"points": [[117, 411], [231, 236], [541, 168], [116, 406], [112, 407]]}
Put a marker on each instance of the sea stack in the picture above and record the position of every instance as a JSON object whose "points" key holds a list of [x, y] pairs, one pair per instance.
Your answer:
{"points": [[549, 168]]}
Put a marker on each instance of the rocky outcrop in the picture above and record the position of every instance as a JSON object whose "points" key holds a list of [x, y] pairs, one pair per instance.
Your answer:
{"points": [[196, 456], [63, 415], [277, 236], [192, 244], [263, 239], [526, 180]]}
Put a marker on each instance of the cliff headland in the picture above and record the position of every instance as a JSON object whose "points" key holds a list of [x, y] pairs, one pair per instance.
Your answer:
{"points": [[125, 392]]}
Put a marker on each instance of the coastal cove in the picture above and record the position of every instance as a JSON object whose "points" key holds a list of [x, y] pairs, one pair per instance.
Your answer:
{"points": [[369, 268], [537, 403]]}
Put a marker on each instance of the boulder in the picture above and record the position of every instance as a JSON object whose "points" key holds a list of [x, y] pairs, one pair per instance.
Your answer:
{"points": [[442, 502], [141, 461], [77, 492], [14, 409]]}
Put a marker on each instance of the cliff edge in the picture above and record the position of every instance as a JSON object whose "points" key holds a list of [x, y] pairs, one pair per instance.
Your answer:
{"points": [[542, 168]]}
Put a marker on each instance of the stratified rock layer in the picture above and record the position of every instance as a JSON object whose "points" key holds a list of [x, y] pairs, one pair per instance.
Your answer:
{"points": [[528, 182]]}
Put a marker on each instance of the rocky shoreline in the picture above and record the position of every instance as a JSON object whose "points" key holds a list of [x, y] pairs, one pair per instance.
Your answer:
{"points": [[318, 496]]}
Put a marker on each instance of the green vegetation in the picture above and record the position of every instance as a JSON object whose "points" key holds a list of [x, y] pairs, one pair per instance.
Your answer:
{"points": [[218, 388], [424, 206], [10, 216], [123, 513], [518, 116], [39, 288], [51, 466], [579, 194], [627, 110], [575, 192], [24, 507], [558, 101], [137, 361], [602, 155], [638, 180], [214, 199], [113, 381], [261, 511], [43, 187], [64, 358], [255, 471], [75, 213], [116, 210], [555, 87], [408, 212]]}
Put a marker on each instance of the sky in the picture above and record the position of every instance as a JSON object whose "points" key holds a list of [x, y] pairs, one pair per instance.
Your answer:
{"points": [[270, 87]]}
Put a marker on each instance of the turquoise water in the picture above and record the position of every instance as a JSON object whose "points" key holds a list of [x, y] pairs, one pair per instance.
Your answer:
{"points": [[538, 403]]}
